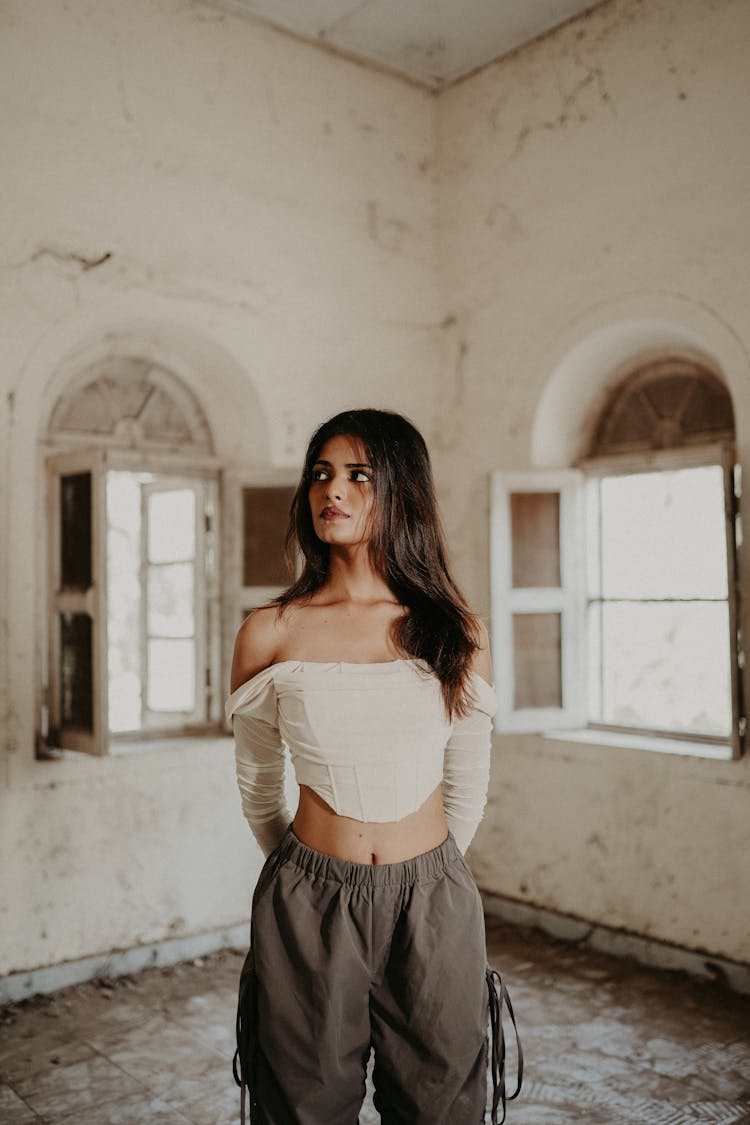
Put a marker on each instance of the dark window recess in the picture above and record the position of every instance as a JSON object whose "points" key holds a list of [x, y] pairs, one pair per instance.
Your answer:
{"points": [[75, 531], [76, 671], [265, 515], [537, 648], [535, 529]]}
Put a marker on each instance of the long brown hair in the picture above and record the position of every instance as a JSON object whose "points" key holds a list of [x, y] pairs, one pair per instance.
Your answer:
{"points": [[407, 547]]}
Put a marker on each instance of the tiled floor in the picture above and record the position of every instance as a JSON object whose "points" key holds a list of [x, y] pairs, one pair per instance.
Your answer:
{"points": [[606, 1041]]}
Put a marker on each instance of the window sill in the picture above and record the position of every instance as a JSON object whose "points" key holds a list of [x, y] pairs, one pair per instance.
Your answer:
{"points": [[120, 747], [125, 758], [686, 747]]}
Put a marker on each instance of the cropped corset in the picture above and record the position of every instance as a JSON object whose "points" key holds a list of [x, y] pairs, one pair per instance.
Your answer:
{"points": [[372, 740]]}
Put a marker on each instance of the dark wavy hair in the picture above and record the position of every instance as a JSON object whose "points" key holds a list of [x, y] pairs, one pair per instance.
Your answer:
{"points": [[407, 547]]}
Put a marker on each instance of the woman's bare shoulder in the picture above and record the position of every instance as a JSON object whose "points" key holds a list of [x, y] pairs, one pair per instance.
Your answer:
{"points": [[259, 638]]}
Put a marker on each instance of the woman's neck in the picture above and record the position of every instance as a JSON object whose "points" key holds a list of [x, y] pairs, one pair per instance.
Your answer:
{"points": [[352, 578]]}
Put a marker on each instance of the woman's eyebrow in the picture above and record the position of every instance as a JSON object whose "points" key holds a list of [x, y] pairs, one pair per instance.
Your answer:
{"points": [[348, 465]]}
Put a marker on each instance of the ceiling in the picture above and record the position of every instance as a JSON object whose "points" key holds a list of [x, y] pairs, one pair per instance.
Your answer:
{"points": [[433, 42]]}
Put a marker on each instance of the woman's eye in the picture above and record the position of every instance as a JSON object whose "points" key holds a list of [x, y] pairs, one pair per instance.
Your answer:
{"points": [[358, 475], [319, 474]]}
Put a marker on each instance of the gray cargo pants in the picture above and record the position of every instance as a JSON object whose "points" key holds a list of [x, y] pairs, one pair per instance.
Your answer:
{"points": [[348, 956]]}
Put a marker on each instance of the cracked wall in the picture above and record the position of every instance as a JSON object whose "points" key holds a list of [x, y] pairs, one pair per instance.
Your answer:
{"points": [[257, 215], [292, 234], [596, 178]]}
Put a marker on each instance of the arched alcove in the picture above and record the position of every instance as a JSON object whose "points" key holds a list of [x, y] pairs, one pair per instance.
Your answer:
{"points": [[605, 343], [581, 381]]}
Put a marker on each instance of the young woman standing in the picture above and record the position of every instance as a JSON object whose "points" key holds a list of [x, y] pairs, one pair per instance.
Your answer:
{"points": [[367, 927]]}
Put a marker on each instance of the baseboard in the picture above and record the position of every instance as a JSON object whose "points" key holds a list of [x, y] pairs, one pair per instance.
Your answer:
{"points": [[603, 939], [19, 986]]}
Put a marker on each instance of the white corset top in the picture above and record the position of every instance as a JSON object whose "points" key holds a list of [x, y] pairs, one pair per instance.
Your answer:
{"points": [[373, 740]]}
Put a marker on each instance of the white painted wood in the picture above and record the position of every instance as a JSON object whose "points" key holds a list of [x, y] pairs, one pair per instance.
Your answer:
{"points": [[567, 599], [238, 599]]}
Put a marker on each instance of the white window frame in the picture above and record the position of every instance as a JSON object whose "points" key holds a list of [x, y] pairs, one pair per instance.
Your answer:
{"points": [[240, 599], [571, 722], [99, 460], [565, 599], [723, 455]]}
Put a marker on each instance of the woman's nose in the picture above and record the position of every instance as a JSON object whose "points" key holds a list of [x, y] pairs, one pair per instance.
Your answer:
{"points": [[336, 488]]}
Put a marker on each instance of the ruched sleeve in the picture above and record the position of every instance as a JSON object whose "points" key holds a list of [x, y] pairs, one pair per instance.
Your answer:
{"points": [[466, 765], [259, 755]]}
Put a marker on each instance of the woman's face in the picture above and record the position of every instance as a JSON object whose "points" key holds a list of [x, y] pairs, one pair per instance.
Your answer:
{"points": [[342, 494]]}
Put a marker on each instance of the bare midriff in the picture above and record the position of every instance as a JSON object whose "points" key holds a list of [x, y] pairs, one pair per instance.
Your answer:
{"points": [[317, 825]]}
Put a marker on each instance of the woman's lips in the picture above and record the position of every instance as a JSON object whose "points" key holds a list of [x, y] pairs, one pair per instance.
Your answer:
{"points": [[333, 514]]}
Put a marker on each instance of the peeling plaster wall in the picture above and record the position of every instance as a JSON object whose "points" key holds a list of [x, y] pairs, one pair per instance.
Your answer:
{"points": [[262, 217], [259, 215], [597, 182]]}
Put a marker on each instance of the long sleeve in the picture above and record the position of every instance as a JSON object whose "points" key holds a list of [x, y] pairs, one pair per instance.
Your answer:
{"points": [[259, 756], [466, 766]]}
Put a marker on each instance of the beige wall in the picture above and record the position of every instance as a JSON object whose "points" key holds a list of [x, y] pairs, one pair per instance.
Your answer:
{"points": [[594, 202], [293, 233], [269, 212]]}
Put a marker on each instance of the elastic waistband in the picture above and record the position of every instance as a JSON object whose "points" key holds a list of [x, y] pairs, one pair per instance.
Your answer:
{"points": [[428, 865]]}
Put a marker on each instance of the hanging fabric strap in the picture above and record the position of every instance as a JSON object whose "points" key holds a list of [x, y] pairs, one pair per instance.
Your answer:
{"points": [[497, 994], [243, 1066], [239, 1077]]}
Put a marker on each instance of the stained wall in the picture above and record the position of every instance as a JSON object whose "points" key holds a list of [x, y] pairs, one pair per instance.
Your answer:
{"points": [[593, 206], [257, 214], [293, 233]]}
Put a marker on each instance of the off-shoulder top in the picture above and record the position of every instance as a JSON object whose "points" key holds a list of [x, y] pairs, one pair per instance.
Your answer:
{"points": [[373, 740]]}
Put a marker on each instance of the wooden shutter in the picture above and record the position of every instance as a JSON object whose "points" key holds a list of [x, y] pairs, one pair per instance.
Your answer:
{"points": [[537, 567], [77, 640]]}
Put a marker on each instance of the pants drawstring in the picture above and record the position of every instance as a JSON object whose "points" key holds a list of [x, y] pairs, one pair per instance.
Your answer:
{"points": [[243, 1060], [239, 1077], [497, 994]]}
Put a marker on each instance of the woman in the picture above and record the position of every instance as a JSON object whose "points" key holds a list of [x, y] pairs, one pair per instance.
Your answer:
{"points": [[367, 927]]}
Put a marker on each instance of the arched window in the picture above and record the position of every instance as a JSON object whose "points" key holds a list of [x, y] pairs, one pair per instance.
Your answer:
{"points": [[615, 583], [132, 638], [157, 550], [669, 403]]}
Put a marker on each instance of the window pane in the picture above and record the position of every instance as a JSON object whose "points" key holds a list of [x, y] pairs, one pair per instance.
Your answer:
{"points": [[535, 536], [171, 675], [170, 600], [663, 534], [667, 666], [171, 525], [75, 531], [537, 660], [76, 671], [265, 515]]}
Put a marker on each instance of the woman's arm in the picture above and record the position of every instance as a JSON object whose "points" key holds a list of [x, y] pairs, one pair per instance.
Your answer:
{"points": [[466, 765], [255, 645], [259, 750]]}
